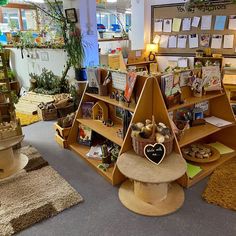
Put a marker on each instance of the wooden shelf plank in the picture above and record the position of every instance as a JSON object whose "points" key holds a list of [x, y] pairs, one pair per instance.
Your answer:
{"points": [[193, 100], [107, 99], [108, 132], [82, 150], [195, 133], [208, 168]]}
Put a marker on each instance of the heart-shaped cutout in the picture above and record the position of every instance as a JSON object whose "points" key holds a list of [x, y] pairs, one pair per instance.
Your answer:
{"points": [[155, 153]]}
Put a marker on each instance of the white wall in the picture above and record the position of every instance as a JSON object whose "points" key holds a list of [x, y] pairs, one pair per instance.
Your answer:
{"points": [[23, 67]]}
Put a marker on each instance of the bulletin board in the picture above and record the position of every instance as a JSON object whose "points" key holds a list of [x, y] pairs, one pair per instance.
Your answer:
{"points": [[171, 11]]}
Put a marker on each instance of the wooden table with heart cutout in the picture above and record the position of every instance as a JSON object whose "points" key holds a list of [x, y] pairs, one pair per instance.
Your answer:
{"points": [[150, 189]]}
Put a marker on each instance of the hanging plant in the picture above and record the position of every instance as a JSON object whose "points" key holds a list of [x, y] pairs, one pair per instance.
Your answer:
{"points": [[3, 2]]}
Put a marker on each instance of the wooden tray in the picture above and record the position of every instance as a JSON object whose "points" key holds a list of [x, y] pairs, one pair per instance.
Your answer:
{"points": [[215, 156]]}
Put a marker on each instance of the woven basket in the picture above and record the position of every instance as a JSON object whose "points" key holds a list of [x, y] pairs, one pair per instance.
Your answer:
{"points": [[140, 143]]}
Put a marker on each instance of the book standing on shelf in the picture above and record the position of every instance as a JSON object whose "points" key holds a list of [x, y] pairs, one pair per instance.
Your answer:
{"points": [[85, 135]]}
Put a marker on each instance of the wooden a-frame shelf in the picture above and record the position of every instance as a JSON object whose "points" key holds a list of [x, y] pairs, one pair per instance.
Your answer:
{"points": [[110, 133], [151, 102]]}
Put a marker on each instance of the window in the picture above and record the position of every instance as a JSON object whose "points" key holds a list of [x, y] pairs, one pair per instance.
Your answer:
{"points": [[19, 17]]}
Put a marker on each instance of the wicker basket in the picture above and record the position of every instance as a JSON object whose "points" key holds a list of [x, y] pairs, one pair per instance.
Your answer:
{"points": [[140, 143]]}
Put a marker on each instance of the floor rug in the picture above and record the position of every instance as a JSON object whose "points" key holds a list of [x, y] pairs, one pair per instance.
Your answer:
{"points": [[36, 193], [27, 119], [221, 188]]}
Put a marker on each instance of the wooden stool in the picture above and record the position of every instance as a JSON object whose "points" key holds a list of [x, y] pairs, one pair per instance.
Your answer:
{"points": [[11, 162], [149, 190]]}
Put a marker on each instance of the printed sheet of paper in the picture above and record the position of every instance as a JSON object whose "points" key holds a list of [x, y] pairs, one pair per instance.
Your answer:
{"points": [[232, 22], [167, 25], [216, 41], [172, 41], [164, 41], [228, 41], [193, 170], [176, 24], [182, 40], [205, 40], [183, 62], [193, 41], [196, 21], [223, 149], [186, 24], [220, 23], [206, 22], [217, 121], [156, 39], [158, 24]]}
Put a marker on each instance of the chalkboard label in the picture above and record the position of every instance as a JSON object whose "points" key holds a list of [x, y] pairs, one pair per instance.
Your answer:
{"points": [[155, 153]]}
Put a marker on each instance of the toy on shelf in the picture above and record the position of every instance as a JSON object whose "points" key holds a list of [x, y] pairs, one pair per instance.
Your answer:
{"points": [[200, 153], [100, 111], [150, 133]]}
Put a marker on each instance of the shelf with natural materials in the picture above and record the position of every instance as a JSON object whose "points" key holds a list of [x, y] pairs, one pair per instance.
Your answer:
{"points": [[82, 150], [207, 169], [194, 100], [198, 132], [108, 100], [107, 132]]}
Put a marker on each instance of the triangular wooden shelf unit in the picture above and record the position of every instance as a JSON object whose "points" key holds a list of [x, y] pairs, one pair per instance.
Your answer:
{"points": [[150, 103]]}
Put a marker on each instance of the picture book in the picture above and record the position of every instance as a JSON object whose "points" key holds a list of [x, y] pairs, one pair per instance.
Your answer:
{"points": [[85, 135], [130, 82], [86, 108], [167, 83], [211, 78], [92, 80]]}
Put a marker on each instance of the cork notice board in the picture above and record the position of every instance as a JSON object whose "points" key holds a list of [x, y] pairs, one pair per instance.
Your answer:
{"points": [[177, 11]]}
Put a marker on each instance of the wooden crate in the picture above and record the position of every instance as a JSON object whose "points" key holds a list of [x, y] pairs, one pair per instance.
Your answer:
{"points": [[63, 132], [47, 114], [62, 142]]}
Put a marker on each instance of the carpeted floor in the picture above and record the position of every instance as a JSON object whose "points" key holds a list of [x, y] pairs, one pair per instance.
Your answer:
{"points": [[36, 193], [102, 214], [27, 119], [221, 188]]}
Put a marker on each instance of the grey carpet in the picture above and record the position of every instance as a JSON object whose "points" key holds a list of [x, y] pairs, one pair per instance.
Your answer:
{"points": [[103, 214]]}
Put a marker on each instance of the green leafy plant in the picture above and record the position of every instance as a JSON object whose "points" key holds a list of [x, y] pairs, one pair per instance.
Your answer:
{"points": [[48, 83]]}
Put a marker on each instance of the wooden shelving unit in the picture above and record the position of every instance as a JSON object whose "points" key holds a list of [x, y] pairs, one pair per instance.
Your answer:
{"points": [[7, 108], [110, 133], [193, 100], [219, 106], [113, 102], [151, 102], [100, 128], [82, 150]]}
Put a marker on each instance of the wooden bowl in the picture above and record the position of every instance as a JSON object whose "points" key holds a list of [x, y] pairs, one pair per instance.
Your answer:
{"points": [[214, 157]]}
